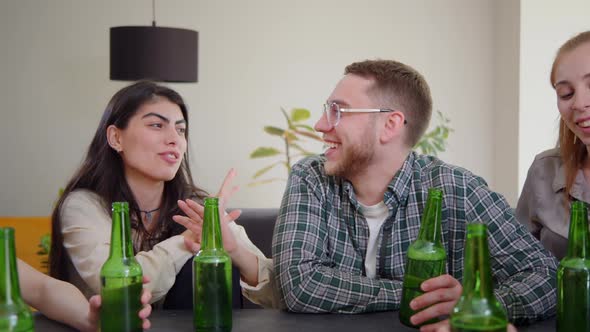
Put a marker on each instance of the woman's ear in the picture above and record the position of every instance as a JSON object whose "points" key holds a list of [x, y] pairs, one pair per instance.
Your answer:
{"points": [[114, 138], [393, 127]]}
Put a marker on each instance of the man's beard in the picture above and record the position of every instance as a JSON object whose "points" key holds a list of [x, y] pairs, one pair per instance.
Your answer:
{"points": [[355, 158]]}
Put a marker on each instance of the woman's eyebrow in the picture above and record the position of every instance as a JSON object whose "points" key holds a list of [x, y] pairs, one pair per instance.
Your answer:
{"points": [[165, 119], [566, 81]]}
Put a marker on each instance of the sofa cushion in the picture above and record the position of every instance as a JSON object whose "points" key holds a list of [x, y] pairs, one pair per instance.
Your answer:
{"points": [[259, 225]]}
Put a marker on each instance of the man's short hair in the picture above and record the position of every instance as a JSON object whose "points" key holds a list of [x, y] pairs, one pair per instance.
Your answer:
{"points": [[398, 85]]}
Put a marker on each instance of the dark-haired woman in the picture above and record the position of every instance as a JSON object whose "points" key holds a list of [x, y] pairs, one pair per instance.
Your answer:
{"points": [[138, 154], [560, 175]]}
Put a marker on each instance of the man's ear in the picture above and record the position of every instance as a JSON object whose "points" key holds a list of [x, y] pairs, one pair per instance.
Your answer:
{"points": [[393, 127], [114, 138]]}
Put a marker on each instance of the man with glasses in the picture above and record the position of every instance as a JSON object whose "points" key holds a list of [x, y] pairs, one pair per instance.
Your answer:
{"points": [[348, 216]]}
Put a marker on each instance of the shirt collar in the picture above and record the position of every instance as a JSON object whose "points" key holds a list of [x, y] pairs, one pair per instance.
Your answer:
{"points": [[399, 187], [579, 187]]}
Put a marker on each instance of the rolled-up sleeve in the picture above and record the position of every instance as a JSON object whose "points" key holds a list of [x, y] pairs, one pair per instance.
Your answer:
{"points": [[265, 292], [86, 230]]}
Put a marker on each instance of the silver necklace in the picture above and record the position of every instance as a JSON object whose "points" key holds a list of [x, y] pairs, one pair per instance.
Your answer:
{"points": [[148, 214]]}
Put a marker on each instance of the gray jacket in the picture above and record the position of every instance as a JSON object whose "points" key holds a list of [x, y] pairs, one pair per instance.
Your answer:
{"points": [[543, 204]]}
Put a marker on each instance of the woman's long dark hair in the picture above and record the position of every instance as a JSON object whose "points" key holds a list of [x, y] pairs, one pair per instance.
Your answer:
{"points": [[102, 172]]}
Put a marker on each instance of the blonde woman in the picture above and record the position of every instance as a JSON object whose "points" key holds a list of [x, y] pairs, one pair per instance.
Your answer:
{"points": [[562, 174]]}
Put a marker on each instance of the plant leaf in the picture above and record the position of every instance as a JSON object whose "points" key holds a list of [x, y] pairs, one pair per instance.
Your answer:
{"points": [[304, 126], [263, 152], [305, 154], [438, 146], [289, 124], [257, 183], [290, 136], [275, 131], [310, 135], [434, 141], [264, 170], [300, 114]]}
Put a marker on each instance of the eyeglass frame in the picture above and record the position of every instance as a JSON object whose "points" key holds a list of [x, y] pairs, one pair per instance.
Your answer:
{"points": [[327, 106]]}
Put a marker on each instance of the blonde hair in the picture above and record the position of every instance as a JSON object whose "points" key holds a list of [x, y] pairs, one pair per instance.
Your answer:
{"points": [[573, 152]]}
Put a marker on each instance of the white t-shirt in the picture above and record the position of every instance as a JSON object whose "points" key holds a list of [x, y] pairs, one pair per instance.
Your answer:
{"points": [[375, 216]]}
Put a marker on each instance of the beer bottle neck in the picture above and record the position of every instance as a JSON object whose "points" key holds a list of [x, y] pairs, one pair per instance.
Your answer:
{"points": [[121, 245], [579, 235], [211, 238], [430, 227], [477, 279], [9, 285]]}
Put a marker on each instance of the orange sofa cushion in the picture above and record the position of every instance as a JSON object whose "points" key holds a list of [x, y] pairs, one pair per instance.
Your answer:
{"points": [[28, 232]]}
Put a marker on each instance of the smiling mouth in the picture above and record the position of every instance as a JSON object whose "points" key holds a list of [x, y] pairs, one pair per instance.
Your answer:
{"points": [[584, 124], [331, 145], [170, 156]]}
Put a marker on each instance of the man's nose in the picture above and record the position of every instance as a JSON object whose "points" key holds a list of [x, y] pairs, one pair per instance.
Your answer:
{"points": [[323, 125]]}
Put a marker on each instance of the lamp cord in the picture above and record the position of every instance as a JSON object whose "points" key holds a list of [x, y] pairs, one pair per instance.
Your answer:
{"points": [[153, 13]]}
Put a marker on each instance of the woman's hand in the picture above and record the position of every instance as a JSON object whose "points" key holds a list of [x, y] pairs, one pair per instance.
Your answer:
{"points": [[195, 214], [244, 260], [95, 302]]}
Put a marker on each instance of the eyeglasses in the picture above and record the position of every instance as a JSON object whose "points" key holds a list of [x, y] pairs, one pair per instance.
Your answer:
{"points": [[333, 112]]}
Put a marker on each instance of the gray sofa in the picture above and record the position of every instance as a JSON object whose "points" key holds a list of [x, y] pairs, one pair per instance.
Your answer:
{"points": [[259, 225]]}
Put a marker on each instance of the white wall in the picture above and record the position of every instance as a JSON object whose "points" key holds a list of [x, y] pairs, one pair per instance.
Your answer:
{"points": [[255, 57], [545, 25], [506, 87]]}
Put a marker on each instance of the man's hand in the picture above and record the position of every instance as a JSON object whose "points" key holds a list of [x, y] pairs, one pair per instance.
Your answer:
{"points": [[440, 295], [95, 302]]}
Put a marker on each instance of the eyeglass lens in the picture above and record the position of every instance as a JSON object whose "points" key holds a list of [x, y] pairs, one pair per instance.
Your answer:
{"points": [[333, 113]]}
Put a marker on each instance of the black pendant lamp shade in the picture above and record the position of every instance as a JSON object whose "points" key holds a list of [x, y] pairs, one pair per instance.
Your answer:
{"points": [[155, 53]]}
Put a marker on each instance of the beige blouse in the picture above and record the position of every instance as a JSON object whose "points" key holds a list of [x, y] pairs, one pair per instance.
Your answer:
{"points": [[86, 229], [543, 204]]}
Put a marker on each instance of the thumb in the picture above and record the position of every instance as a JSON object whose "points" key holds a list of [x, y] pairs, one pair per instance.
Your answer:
{"points": [[191, 245], [235, 214], [95, 302]]}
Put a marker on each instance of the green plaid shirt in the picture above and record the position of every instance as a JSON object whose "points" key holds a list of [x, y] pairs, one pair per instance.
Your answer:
{"points": [[321, 236]]}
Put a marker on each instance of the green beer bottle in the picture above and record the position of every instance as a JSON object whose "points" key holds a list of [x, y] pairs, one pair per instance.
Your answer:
{"points": [[212, 292], [426, 256], [573, 275], [478, 309], [14, 313], [121, 278]]}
